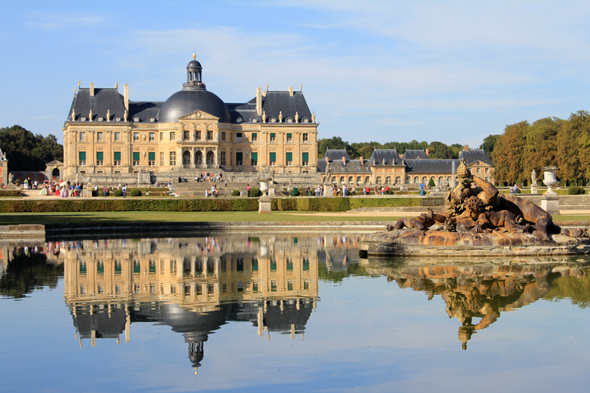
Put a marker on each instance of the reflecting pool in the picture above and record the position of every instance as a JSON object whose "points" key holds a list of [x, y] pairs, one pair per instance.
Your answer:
{"points": [[289, 312]]}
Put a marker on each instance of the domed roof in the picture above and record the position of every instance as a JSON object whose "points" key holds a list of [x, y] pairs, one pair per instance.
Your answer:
{"points": [[193, 64], [190, 100]]}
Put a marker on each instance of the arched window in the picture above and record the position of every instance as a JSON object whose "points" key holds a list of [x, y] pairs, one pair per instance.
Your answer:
{"points": [[350, 179], [424, 180], [378, 181], [186, 157], [333, 179], [210, 158], [367, 179], [388, 180], [341, 179], [416, 181], [198, 157], [398, 180], [359, 179]]}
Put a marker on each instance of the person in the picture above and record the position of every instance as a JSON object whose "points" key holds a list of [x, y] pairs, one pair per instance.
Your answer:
{"points": [[81, 189], [125, 191], [387, 189], [206, 193], [353, 192], [105, 191], [77, 190], [422, 189], [213, 191], [248, 188]]}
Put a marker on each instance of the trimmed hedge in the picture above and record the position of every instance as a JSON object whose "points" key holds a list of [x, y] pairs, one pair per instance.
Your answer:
{"points": [[9, 193], [135, 192], [235, 193], [575, 190], [199, 205], [118, 193], [255, 192]]}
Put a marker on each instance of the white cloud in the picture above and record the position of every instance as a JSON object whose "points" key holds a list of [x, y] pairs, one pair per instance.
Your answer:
{"points": [[49, 22]]}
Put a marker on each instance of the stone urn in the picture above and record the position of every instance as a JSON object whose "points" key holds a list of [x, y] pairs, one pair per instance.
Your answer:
{"points": [[550, 179], [264, 203], [264, 187]]}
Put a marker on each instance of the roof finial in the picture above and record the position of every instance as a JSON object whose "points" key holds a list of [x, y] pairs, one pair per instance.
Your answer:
{"points": [[194, 54], [78, 82], [116, 84]]}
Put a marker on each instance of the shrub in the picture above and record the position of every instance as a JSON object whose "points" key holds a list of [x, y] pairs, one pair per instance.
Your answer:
{"points": [[294, 192], [255, 192], [135, 192], [235, 193], [101, 193], [118, 193], [431, 183], [575, 190]]}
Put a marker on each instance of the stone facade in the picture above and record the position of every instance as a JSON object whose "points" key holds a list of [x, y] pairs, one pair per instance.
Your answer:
{"points": [[107, 135], [387, 167]]}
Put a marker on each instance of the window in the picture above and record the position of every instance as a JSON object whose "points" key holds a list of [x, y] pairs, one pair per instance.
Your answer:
{"points": [[172, 135], [99, 158], [222, 158], [273, 137], [135, 136], [487, 170], [254, 137], [273, 158], [254, 287], [254, 264], [238, 137], [239, 158], [117, 136], [305, 137], [152, 158], [289, 137], [99, 136], [254, 158], [135, 158], [161, 136], [209, 135], [477, 170], [289, 265], [117, 158], [198, 133], [162, 158], [82, 158], [173, 158], [305, 158], [186, 135], [273, 286], [82, 136], [289, 285], [273, 265], [289, 158], [152, 136], [223, 136], [305, 264]]}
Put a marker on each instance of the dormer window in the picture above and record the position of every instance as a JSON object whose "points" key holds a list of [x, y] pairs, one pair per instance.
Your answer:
{"points": [[305, 120], [136, 119], [100, 119], [152, 119]]}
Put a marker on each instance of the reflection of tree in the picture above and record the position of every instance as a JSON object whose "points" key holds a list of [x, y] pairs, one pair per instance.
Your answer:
{"points": [[575, 287], [484, 291], [336, 276], [26, 273]]}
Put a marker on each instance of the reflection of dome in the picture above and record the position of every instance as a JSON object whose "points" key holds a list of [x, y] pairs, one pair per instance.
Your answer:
{"points": [[193, 97], [189, 100]]}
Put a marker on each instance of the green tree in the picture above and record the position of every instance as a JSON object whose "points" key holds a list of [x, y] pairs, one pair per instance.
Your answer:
{"points": [[332, 143], [489, 143], [508, 154], [572, 146], [26, 151]]}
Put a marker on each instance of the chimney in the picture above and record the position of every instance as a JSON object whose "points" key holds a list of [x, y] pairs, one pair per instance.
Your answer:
{"points": [[126, 95], [427, 152], [327, 159], [259, 101], [91, 89], [344, 160], [466, 148], [291, 91], [362, 161]]}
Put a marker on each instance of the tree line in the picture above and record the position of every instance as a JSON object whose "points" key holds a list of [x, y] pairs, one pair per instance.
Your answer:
{"points": [[549, 141], [26, 151], [365, 149]]}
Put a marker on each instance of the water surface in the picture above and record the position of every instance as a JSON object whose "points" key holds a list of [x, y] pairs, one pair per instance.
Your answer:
{"points": [[288, 312]]}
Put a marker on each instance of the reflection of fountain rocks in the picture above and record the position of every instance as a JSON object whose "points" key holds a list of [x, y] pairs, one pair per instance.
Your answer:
{"points": [[474, 290]]}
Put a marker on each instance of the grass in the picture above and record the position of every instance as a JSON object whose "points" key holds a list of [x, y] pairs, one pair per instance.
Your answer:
{"points": [[103, 217]]}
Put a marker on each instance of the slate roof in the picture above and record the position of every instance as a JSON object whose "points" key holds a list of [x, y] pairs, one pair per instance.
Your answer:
{"points": [[336, 154], [385, 157], [430, 166], [415, 155], [474, 155], [352, 166], [272, 104], [103, 100], [144, 110]]}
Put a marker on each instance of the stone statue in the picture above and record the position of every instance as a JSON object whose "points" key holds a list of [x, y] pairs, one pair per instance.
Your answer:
{"points": [[534, 178], [10, 178], [264, 116]]}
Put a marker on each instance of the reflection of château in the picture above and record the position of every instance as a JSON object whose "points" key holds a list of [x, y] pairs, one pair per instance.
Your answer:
{"points": [[477, 291], [195, 285]]}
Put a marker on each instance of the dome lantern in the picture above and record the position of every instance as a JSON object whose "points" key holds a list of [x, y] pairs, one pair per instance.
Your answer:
{"points": [[194, 76]]}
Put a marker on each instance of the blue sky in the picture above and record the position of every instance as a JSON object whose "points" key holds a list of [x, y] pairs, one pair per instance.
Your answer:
{"points": [[453, 71]]}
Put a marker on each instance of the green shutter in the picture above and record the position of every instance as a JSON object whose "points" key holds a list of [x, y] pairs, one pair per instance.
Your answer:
{"points": [[82, 156], [254, 136], [99, 156], [152, 156], [289, 135], [135, 156], [254, 156], [272, 135], [254, 265], [117, 156], [273, 157], [239, 157], [289, 156], [305, 157]]}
